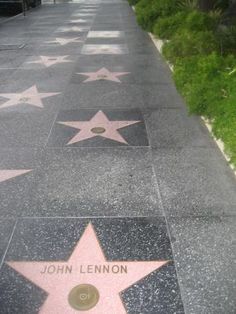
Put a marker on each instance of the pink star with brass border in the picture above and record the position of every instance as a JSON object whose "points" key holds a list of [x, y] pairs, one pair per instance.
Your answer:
{"points": [[30, 96], [9, 174], [64, 41], [71, 29], [78, 21], [87, 265], [103, 74], [48, 61], [99, 125]]}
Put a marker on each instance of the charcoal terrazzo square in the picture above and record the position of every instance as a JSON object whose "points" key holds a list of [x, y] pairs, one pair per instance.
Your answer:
{"points": [[18, 173], [98, 128], [139, 276]]}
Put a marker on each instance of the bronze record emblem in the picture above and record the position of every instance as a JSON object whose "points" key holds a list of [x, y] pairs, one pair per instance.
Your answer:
{"points": [[24, 99], [98, 130], [83, 297], [102, 76]]}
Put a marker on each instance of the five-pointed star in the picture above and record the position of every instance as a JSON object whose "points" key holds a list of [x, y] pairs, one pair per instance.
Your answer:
{"points": [[8, 174], [50, 60], [30, 96], [99, 125], [65, 41], [103, 74], [71, 29], [78, 21], [81, 265]]}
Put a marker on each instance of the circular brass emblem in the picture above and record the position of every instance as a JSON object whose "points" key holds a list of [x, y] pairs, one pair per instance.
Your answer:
{"points": [[24, 99], [98, 130], [83, 297], [102, 76]]}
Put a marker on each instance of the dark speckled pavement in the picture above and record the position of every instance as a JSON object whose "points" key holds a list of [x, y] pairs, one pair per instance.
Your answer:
{"points": [[112, 199]]}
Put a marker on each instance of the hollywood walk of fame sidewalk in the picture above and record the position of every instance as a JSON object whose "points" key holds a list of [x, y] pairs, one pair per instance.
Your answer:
{"points": [[112, 199]]}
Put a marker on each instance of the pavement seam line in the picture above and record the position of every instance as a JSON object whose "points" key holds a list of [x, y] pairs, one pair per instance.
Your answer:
{"points": [[8, 245]]}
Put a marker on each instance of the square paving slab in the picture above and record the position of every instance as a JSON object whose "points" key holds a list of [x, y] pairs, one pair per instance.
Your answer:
{"points": [[18, 173], [103, 128], [195, 181], [105, 34], [94, 182], [205, 253], [100, 75], [28, 98], [117, 96], [93, 267], [104, 49], [24, 128], [168, 128]]}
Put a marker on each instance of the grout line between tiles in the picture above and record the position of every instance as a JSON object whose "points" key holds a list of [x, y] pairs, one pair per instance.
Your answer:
{"points": [[8, 245]]}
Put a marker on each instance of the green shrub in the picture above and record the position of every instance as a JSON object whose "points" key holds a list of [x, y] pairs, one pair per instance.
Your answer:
{"points": [[204, 81], [197, 21], [133, 2], [194, 21], [149, 10], [166, 27], [146, 15], [226, 36], [208, 86], [186, 44]]}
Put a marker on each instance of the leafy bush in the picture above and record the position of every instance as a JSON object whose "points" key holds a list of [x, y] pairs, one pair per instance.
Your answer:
{"points": [[193, 77], [226, 36], [208, 85], [186, 44], [193, 21], [149, 10], [146, 14], [197, 21], [133, 2], [166, 27]]}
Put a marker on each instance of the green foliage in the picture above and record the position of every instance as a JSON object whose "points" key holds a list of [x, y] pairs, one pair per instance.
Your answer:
{"points": [[193, 21], [226, 36], [149, 10], [166, 27], [208, 85], [197, 21], [186, 44], [146, 14], [133, 2], [221, 4], [203, 53], [188, 4]]}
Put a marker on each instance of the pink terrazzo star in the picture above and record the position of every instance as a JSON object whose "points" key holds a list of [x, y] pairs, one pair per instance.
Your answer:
{"points": [[8, 174], [103, 74], [71, 29], [78, 21], [30, 96], [65, 41], [51, 60], [99, 125], [86, 265]]}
